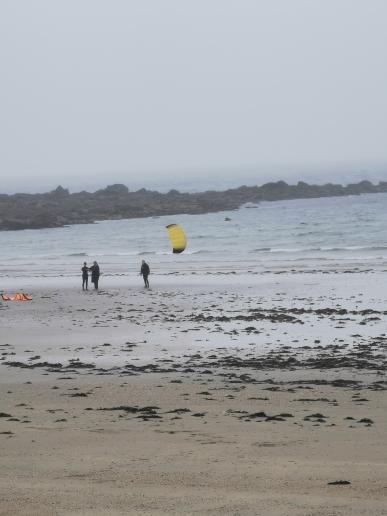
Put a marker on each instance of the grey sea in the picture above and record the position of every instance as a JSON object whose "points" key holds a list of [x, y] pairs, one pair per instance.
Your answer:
{"points": [[327, 234]]}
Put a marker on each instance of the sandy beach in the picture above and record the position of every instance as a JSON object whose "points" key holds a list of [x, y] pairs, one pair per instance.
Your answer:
{"points": [[208, 394], [235, 153]]}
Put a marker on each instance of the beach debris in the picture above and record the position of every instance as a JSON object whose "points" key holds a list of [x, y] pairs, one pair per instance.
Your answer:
{"points": [[339, 483], [144, 413], [20, 296], [366, 421]]}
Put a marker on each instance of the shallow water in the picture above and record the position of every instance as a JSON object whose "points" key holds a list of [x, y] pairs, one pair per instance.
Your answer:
{"points": [[325, 234]]}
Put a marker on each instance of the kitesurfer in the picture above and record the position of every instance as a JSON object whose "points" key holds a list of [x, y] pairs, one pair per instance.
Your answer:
{"points": [[95, 273], [145, 271], [85, 276]]}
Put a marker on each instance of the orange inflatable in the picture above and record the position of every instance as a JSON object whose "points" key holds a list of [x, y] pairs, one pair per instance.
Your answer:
{"points": [[20, 296]]}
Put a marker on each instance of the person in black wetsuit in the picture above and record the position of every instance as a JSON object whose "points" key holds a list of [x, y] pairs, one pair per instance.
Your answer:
{"points": [[85, 276], [95, 273], [145, 271]]}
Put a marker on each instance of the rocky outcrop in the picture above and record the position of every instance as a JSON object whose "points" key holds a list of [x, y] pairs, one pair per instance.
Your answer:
{"points": [[60, 207]]}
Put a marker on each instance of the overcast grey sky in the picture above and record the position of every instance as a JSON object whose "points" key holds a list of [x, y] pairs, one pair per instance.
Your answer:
{"points": [[151, 91]]}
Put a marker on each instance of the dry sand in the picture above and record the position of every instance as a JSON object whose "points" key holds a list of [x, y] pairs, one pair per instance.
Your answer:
{"points": [[207, 395]]}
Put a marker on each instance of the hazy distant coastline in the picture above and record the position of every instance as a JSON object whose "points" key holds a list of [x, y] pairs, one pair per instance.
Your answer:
{"points": [[60, 207]]}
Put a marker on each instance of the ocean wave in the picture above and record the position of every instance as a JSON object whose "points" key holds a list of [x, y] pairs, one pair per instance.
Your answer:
{"points": [[354, 248], [122, 254], [318, 249]]}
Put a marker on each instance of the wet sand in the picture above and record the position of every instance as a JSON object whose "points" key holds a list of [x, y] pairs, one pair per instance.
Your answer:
{"points": [[215, 394]]}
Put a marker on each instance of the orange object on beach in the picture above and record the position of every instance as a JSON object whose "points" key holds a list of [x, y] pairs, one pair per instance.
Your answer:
{"points": [[20, 296]]}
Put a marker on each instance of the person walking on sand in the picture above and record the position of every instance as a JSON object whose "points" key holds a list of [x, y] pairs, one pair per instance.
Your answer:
{"points": [[85, 276], [95, 273], [145, 271]]}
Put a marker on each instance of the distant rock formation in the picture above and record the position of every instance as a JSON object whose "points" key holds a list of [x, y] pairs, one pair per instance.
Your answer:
{"points": [[59, 208]]}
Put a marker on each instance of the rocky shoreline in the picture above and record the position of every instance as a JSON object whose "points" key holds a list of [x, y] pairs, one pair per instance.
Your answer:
{"points": [[60, 207]]}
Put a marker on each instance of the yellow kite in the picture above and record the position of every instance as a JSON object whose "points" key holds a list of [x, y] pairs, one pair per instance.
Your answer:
{"points": [[177, 237]]}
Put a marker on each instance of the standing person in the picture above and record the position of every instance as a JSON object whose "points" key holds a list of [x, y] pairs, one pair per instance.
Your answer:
{"points": [[95, 273], [145, 271], [85, 276]]}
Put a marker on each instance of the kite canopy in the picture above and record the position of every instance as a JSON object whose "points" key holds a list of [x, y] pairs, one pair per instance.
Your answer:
{"points": [[177, 237]]}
